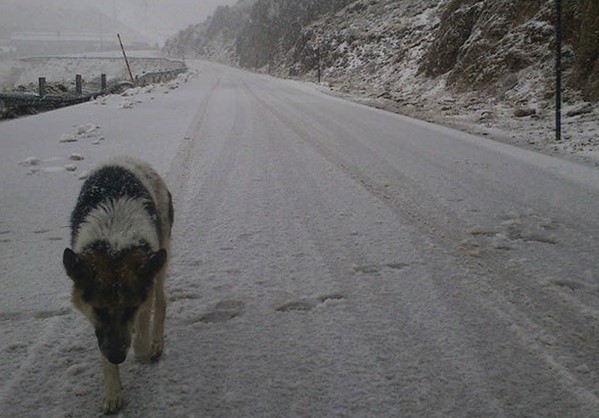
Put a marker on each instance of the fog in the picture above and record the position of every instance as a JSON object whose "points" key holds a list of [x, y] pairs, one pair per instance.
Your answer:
{"points": [[154, 20], [158, 18]]}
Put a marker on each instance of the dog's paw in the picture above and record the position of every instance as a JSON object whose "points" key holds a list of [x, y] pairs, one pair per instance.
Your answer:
{"points": [[149, 354], [143, 353], [144, 357], [113, 400], [156, 352]]}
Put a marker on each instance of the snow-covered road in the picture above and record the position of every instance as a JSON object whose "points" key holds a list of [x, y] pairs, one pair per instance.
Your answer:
{"points": [[328, 260]]}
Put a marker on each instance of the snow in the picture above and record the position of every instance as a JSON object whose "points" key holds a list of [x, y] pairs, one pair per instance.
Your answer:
{"points": [[329, 259]]}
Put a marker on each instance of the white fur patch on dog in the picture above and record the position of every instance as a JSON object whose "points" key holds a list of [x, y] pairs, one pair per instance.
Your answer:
{"points": [[122, 223]]}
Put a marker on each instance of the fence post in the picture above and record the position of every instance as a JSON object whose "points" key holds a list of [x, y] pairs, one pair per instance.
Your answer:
{"points": [[103, 81], [558, 70], [42, 86], [78, 84], [318, 59]]}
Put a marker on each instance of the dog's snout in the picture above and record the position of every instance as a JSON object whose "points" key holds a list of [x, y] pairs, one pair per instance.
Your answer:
{"points": [[117, 357], [113, 346]]}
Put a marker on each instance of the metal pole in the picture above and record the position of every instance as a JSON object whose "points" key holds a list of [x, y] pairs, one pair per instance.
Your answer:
{"points": [[103, 81], [126, 59], [42, 86], [558, 70], [318, 59], [78, 84]]}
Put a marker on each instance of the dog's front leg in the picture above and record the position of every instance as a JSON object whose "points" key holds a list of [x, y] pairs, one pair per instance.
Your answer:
{"points": [[113, 391], [141, 342], [159, 316]]}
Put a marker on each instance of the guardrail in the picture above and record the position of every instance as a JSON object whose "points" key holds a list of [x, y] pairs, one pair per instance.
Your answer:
{"points": [[17, 104], [158, 77]]}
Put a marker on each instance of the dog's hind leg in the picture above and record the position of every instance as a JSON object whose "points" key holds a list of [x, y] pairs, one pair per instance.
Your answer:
{"points": [[159, 316], [113, 391], [141, 342]]}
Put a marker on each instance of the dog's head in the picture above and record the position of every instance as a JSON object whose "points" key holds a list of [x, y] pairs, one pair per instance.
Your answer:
{"points": [[109, 288]]}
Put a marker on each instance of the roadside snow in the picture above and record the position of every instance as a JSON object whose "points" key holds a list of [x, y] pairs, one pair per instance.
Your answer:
{"points": [[467, 112]]}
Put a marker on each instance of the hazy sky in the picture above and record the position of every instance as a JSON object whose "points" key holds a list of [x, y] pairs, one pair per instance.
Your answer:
{"points": [[154, 18], [163, 17]]}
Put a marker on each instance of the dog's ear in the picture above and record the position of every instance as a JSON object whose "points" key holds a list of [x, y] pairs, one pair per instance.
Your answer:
{"points": [[154, 264], [72, 263], [75, 267]]}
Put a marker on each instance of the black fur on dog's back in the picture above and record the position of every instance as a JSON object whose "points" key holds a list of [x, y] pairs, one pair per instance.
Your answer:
{"points": [[111, 182]]}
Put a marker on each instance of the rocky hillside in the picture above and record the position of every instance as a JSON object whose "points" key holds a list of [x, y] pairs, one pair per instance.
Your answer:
{"points": [[482, 44], [490, 45]]}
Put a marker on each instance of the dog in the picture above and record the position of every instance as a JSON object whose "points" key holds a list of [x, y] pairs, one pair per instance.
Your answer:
{"points": [[120, 239]]}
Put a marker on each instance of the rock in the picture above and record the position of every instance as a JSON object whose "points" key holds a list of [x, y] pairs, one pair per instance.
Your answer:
{"points": [[524, 112], [580, 110]]}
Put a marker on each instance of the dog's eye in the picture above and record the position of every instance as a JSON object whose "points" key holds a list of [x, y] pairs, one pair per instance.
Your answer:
{"points": [[102, 314]]}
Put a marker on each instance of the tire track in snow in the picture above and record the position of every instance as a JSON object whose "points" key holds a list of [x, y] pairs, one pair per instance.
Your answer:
{"points": [[203, 172], [199, 166], [179, 171], [212, 153]]}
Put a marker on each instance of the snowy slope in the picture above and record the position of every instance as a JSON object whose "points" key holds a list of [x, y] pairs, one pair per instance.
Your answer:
{"points": [[329, 259]]}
